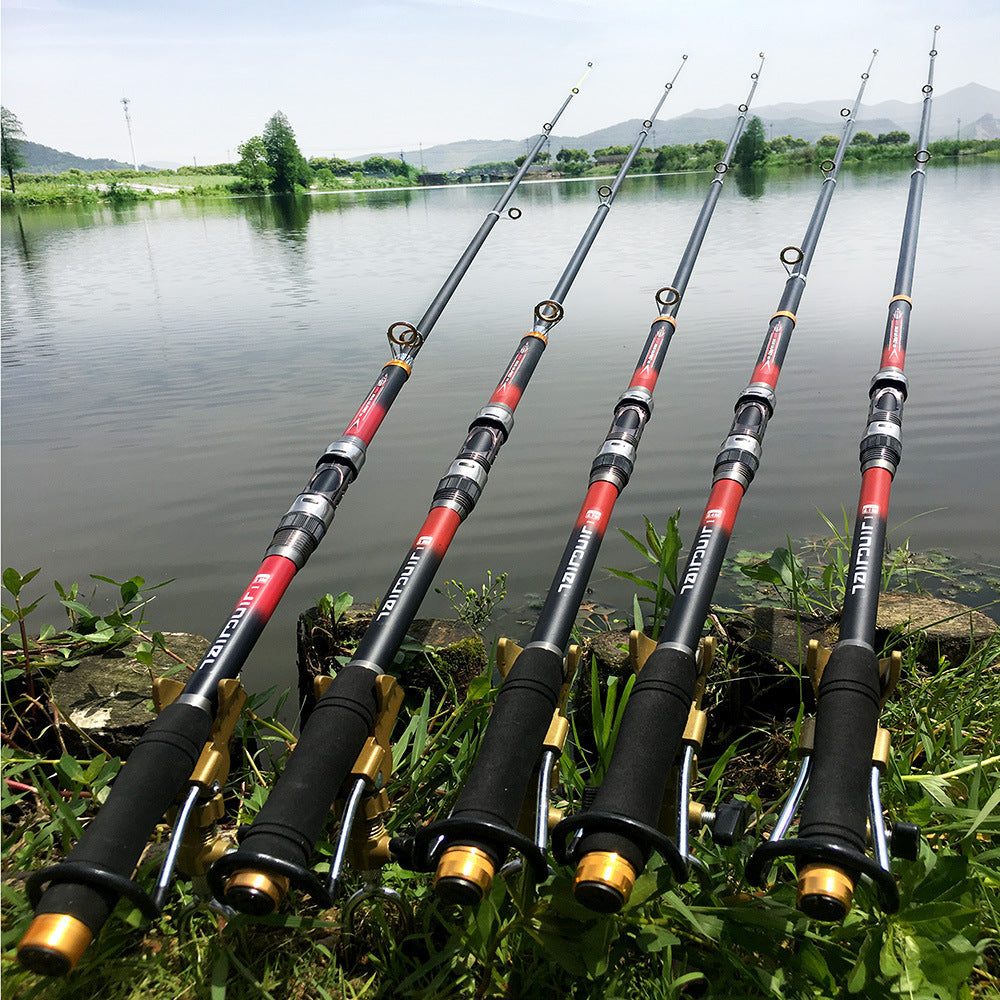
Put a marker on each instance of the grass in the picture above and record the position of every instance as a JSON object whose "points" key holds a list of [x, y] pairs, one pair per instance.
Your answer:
{"points": [[710, 938]]}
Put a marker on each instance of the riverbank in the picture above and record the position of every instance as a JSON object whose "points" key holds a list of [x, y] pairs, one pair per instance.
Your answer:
{"points": [[75, 187], [714, 935]]}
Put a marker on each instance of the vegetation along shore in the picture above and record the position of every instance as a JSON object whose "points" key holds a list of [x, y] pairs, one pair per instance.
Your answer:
{"points": [[273, 163]]}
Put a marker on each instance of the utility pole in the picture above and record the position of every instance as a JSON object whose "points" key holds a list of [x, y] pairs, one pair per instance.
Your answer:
{"points": [[128, 123]]}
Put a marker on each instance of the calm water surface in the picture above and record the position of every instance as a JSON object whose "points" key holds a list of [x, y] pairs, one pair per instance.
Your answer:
{"points": [[171, 373]]}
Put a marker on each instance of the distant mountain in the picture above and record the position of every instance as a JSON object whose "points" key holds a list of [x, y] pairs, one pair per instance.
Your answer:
{"points": [[976, 106], [972, 104], [46, 160]]}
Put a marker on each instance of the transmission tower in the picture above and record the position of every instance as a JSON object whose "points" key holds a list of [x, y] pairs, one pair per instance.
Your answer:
{"points": [[128, 123]]}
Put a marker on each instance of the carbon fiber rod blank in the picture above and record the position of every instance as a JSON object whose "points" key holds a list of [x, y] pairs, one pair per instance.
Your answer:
{"points": [[274, 853], [849, 751], [76, 898], [491, 800], [612, 840]]}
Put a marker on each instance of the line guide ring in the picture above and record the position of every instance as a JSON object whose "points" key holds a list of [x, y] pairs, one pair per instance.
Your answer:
{"points": [[790, 256], [604, 191], [548, 311], [667, 296], [513, 213], [826, 166], [410, 337], [721, 167], [921, 156]]}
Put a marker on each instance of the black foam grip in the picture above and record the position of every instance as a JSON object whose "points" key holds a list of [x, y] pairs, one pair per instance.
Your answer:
{"points": [[835, 807], [153, 776], [299, 804], [511, 746], [648, 741]]}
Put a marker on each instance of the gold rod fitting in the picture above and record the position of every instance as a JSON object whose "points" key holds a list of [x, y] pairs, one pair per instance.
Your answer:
{"points": [[666, 319], [53, 944], [824, 892], [604, 881], [402, 364], [785, 312], [464, 875], [543, 337], [901, 298], [255, 892]]}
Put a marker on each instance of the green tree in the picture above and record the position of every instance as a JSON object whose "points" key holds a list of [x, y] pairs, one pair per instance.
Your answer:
{"points": [[11, 136], [751, 150], [287, 164], [895, 138], [253, 166], [827, 142], [572, 156], [863, 139]]}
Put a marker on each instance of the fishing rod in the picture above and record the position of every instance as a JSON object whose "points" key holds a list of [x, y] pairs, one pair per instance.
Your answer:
{"points": [[528, 728], [340, 749], [611, 841], [845, 751], [178, 756]]}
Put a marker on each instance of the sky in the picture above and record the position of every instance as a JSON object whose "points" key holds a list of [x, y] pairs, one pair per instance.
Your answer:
{"points": [[358, 76]]}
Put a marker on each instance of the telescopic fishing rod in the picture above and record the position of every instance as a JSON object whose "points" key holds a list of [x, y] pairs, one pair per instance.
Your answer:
{"points": [[178, 758], [344, 748], [845, 750], [611, 841], [528, 727]]}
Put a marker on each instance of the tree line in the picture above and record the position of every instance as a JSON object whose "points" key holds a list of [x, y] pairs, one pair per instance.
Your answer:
{"points": [[273, 162]]}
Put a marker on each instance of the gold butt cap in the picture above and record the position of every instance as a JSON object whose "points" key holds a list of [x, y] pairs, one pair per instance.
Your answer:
{"points": [[464, 875], [604, 881], [53, 944], [255, 892], [825, 892]]}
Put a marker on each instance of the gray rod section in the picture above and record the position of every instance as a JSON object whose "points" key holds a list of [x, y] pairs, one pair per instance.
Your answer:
{"points": [[911, 225], [587, 240], [691, 251], [440, 300]]}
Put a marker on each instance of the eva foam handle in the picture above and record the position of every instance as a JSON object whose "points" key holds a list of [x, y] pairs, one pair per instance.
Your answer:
{"points": [[149, 783], [299, 804], [512, 744], [648, 741], [847, 708]]}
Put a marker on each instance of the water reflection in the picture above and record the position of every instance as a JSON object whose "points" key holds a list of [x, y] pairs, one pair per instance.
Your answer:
{"points": [[204, 358], [750, 183]]}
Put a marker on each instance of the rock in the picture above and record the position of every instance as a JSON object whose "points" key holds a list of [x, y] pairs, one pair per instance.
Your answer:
{"points": [[459, 647], [950, 629], [611, 651], [107, 697], [779, 635]]}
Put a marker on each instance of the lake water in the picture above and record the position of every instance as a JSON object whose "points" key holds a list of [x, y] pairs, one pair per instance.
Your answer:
{"points": [[171, 372]]}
